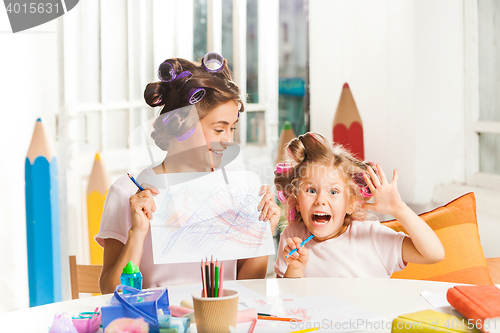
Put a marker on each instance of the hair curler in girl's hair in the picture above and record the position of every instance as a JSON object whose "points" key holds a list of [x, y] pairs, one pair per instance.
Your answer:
{"points": [[360, 180], [282, 168]]}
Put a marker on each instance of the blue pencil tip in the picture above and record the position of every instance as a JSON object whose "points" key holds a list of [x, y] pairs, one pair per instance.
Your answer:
{"points": [[39, 119]]}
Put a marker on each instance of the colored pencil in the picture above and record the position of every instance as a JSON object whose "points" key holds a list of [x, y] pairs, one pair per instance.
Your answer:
{"points": [[277, 318], [286, 135], [300, 245], [265, 314], [216, 281], [252, 327], [97, 189], [212, 277], [135, 181], [221, 279], [347, 125], [42, 219], [203, 281], [207, 277]]}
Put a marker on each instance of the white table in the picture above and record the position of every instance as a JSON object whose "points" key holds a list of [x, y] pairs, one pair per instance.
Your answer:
{"points": [[387, 297]]}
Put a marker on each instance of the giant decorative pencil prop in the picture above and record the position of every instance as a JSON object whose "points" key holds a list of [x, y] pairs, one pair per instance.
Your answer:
{"points": [[347, 125], [97, 190], [286, 135], [42, 219]]}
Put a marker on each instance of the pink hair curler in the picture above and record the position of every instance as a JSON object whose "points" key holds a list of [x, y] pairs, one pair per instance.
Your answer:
{"points": [[283, 167]]}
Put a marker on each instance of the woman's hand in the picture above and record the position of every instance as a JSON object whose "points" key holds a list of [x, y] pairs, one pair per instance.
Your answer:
{"points": [[268, 208], [385, 195], [297, 261], [142, 206]]}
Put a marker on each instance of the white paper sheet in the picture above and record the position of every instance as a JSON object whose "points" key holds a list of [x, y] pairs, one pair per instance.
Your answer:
{"points": [[206, 216], [329, 313], [437, 300]]}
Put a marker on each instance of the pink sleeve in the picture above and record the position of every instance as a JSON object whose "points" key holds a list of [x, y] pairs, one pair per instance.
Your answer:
{"points": [[389, 246], [115, 220]]}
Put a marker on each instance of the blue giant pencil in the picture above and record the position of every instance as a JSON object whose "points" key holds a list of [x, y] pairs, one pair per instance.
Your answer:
{"points": [[42, 219]]}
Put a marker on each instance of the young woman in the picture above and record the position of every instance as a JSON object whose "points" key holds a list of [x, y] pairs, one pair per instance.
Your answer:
{"points": [[195, 142]]}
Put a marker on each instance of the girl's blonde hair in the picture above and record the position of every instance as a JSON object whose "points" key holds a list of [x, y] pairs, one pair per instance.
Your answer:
{"points": [[313, 149]]}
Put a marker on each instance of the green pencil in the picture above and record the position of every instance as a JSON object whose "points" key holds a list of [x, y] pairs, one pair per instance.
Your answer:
{"points": [[216, 291]]}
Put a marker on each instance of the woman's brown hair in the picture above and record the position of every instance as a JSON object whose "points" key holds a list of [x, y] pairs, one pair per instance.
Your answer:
{"points": [[174, 95]]}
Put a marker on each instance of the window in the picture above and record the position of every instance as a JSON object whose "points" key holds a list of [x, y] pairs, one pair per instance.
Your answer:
{"points": [[235, 29], [482, 59], [112, 50], [107, 54]]}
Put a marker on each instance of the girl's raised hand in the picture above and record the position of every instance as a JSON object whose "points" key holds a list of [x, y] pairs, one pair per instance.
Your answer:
{"points": [[268, 208], [298, 260], [386, 198], [142, 206]]}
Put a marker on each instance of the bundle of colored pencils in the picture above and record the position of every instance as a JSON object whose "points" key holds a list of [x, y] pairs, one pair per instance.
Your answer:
{"points": [[212, 277]]}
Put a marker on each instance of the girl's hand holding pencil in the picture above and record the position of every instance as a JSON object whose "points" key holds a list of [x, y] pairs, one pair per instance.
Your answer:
{"points": [[297, 260]]}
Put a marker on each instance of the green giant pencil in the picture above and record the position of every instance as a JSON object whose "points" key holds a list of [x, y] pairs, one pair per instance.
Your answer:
{"points": [[42, 219]]}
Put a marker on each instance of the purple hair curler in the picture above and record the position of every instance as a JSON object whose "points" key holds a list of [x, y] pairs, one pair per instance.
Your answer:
{"points": [[186, 135], [213, 62], [169, 116], [166, 72], [196, 95]]}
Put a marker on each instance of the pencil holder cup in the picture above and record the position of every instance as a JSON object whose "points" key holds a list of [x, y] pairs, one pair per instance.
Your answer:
{"points": [[215, 314]]}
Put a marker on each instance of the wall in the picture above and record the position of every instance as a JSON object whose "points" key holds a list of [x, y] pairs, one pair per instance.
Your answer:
{"points": [[404, 63], [29, 87]]}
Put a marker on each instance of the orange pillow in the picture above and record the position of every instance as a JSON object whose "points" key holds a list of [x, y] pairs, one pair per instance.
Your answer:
{"points": [[456, 226]]}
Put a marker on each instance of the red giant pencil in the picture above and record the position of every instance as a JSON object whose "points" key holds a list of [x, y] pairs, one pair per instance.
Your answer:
{"points": [[347, 125]]}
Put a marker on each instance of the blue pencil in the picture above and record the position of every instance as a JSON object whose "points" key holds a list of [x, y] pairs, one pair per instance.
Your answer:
{"points": [[42, 220], [301, 244], [135, 182]]}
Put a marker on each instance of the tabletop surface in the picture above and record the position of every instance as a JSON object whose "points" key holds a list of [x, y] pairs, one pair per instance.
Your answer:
{"points": [[386, 297]]}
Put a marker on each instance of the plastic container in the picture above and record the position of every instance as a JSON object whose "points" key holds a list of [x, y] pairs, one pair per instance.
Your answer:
{"points": [[131, 276], [144, 304]]}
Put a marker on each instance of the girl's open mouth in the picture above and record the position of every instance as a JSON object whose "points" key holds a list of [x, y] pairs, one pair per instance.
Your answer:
{"points": [[320, 218]]}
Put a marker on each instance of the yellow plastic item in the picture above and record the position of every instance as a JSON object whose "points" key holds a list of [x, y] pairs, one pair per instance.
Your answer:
{"points": [[430, 321]]}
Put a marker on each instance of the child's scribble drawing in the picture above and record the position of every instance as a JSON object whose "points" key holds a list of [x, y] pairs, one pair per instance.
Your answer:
{"points": [[205, 216]]}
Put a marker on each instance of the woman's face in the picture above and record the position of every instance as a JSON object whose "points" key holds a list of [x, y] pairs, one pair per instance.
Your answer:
{"points": [[218, 130]]}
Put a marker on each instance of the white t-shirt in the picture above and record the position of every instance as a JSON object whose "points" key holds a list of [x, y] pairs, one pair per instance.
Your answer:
{"points": [[365, 249], [116, 222]]}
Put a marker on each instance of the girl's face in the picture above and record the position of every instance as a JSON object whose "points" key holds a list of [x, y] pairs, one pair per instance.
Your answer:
{"points": [[323, 201], [218, 129]]}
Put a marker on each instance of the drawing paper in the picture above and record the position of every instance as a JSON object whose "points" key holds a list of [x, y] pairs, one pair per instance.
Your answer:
{"points": [[204, 216]]}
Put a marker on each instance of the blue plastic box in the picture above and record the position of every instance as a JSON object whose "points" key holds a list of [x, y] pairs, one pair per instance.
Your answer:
{"points": [[138, 304]]}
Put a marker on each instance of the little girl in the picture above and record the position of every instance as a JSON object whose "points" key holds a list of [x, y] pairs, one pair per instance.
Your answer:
{"points": [[326, 191]]}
